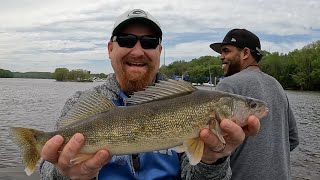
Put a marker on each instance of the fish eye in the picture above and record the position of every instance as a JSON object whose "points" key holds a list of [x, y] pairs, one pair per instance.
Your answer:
{"points": [[252, 104]]}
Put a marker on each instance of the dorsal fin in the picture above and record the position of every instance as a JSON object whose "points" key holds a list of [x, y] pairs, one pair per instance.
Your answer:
{"points": [[160, 91], [90, 103]]}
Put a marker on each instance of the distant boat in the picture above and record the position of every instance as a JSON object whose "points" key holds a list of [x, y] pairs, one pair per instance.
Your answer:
{"points": [[208, 84], [196, 84], [96, 79]]}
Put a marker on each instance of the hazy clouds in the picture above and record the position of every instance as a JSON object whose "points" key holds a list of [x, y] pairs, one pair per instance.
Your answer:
{"points": [[37, 35]]}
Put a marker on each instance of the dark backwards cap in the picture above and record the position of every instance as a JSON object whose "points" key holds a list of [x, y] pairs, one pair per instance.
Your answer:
{"points": [[136, 15], [240, 38]]}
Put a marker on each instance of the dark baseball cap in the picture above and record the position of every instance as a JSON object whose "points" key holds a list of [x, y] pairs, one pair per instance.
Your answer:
{"points": [[240, 38], [136, 15]]}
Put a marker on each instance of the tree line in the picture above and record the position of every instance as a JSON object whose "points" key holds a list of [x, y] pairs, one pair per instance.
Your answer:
{"points": [[80, 75], [36, 75], [299, 69], [60, 74], [5, 73]]}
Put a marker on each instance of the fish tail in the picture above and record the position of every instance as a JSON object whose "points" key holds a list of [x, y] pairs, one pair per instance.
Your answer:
{"points": [[30, 145]]}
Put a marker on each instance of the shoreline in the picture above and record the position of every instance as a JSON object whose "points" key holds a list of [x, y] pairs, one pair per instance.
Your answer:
{"points": [[17, 173]]}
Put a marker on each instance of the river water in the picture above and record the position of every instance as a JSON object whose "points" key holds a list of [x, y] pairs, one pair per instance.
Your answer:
{"points": [[37, 103]]}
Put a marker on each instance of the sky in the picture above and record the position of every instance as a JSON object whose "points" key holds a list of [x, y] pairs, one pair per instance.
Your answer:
{"points": [[38, 35]]}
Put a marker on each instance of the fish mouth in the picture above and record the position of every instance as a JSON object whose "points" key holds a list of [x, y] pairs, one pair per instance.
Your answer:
{"points": [[263, 113]]}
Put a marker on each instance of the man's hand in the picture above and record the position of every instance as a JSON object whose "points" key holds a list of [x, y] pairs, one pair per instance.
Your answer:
{"points": [[233, 134], [253, 126], [82, 171]]}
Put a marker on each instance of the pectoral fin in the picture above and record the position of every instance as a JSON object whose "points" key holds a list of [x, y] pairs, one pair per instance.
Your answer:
{"points": [[194, 150], [179, 149]]}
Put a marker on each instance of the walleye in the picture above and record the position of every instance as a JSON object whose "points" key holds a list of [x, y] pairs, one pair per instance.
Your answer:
{"points": [[169, 114]]}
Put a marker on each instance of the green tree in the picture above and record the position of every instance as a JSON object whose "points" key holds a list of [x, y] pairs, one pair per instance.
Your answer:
{"points": [[79, 75], [35, 75], [61, 74], [279, 66], [307, 62], [5, 73], [299, 69], [198, 69], [315, 66]]}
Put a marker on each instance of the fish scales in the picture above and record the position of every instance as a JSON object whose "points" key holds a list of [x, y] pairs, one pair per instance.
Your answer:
{"points": [[151, 125]]}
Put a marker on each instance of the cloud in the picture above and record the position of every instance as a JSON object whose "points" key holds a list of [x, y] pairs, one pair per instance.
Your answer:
{"points": [[188, 51], [38, 35]]}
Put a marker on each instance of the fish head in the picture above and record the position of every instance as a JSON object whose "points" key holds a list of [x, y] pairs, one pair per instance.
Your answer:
{"points": [[239, 108]]}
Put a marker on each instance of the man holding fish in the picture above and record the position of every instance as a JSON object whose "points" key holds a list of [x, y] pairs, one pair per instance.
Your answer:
{"points": [[167, 131]]}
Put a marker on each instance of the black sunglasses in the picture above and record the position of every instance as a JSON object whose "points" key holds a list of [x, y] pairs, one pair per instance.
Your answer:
{"points": [[130, 40]]}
